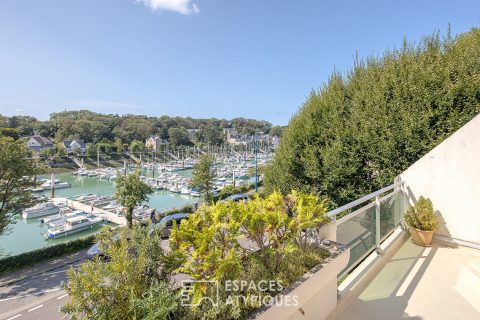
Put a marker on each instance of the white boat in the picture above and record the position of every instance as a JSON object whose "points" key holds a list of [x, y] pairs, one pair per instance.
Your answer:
{"points": [[56, 183], [195, 194], [112, 205], [86, 197], [60, 219], [142, 213], [40, 210], [185, 191], [73, 225]]}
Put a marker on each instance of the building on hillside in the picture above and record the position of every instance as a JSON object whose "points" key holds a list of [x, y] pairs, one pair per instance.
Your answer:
{"points": [[38, 143], [233, 137], [154, 142], [73, 145]]}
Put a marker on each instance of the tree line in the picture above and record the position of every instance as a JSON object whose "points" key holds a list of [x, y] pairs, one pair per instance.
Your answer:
{"points": [[364, 127], [94, 128]]}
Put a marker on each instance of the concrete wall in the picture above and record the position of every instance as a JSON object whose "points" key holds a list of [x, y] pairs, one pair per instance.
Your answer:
{"points": [[450, 176], [316, 296]]}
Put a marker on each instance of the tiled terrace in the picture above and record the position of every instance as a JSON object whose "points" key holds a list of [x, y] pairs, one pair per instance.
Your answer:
{"points": [[438, 282]]}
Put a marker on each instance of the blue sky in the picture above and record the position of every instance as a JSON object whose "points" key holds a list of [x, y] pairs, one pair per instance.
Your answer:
{"points": [[198, 58]]}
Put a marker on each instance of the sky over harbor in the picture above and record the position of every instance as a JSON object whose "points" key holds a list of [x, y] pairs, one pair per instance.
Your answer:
{"points": [[198, 58]]}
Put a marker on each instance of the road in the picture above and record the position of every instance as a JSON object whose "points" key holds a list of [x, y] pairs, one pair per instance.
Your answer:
{"points": [[38, 297]]}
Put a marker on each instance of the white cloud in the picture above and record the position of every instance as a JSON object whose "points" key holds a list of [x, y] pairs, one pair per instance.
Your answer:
{"points": [[19, 110], [186, 7]]}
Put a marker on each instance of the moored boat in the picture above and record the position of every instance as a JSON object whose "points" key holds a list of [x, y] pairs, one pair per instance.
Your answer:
{"points": [[40, 210], [56, 183], [73, 225]]}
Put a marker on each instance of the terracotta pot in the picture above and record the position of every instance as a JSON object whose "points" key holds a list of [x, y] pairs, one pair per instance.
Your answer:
{"points": [[421, 237]]}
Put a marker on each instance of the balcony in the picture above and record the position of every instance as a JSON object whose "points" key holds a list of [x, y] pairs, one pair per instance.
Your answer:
{"points": [[389, 277], [439, 282]]}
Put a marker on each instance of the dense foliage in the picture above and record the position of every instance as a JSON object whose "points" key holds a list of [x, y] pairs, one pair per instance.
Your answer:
{"points": [[261, 239], [16, 178], [360, 130], [422, 216], [9, 264], [138, 279], [131, 285], [93, 127]]}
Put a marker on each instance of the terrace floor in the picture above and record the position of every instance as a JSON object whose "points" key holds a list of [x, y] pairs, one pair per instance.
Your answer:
{"points": [[438, 282]]}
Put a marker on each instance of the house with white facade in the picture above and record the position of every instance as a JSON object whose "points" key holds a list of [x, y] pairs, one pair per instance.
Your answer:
{"points": [[71, 146], [38, 143]]}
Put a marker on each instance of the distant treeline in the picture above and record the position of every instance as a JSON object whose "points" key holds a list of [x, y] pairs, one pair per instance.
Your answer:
{"points": [[94, 127], [363, 128]]}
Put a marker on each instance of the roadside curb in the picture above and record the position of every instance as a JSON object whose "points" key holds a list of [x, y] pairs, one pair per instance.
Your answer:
{"points": [[7, 283]]}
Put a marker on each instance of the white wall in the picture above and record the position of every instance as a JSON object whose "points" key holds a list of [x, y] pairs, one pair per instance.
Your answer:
{"points": [[450, 176]]}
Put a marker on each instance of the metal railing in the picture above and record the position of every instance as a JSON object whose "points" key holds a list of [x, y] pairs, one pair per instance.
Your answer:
{"points": [[364, 229]]}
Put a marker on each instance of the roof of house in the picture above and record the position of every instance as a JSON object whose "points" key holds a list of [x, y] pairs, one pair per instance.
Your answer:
{"points": [[43, 141], [68, 143]]}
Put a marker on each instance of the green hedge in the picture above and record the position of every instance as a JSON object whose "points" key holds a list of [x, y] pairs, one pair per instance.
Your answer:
{"points": [[28, 258], [228, 191], [186, 209]]}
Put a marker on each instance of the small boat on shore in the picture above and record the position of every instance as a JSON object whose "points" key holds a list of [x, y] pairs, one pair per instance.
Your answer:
{"points": [[40, 210]]}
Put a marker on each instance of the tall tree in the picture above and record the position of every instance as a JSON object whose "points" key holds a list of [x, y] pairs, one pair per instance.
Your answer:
{"points": [[178, 136], [131, 191], [203, 175], [136, 146], [16, 178], [360, 130]]}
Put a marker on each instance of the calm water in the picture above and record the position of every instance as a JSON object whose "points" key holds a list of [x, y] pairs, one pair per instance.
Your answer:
{"points": [[29, 235]]}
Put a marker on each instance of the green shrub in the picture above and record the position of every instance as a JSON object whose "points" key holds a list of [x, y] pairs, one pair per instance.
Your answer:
{"points": [[207, 247], [230, 190], [187, 209], [130, 285], [422, 216], [365, 126], [22, 260]]}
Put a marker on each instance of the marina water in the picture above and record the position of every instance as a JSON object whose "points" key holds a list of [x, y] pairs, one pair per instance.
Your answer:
{"points": [[27, 235]]}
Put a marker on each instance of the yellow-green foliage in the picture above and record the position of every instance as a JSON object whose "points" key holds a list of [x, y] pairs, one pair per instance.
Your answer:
{"points": [[208, 244], [209, 240], [422, 215]]}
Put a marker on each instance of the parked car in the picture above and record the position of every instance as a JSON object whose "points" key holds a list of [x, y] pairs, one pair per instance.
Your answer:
{"points": [[95, 251], [238, 197], [167, 223]]}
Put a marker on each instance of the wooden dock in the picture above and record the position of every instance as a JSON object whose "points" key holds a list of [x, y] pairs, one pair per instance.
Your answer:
{"points": [[110, 216]]}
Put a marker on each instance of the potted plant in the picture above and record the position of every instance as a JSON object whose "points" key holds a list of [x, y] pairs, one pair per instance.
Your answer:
{"points": [[422, 221]]}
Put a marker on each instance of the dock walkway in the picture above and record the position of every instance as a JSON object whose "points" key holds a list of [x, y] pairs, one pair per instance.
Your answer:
{"points": [[110, 216]]}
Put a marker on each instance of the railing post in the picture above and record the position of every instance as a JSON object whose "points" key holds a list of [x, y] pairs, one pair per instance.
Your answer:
{"points": [[377, 224]]}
